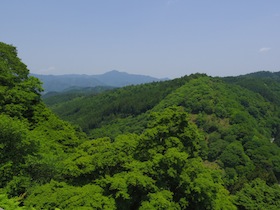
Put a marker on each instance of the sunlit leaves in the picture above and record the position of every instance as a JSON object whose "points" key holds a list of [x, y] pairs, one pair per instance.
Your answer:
{"points": [[160, 200], [13, 203], [15, 145], [20, 93], [60, 195]]}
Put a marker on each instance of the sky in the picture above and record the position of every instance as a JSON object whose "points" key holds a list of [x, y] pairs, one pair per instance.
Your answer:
{"points": [[159, 38]]}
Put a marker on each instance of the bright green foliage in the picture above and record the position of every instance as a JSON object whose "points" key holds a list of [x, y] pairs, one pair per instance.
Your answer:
{"points": [[171, 128], [19, 93], [19, 184], [160, 200], [57, 140], [11, 204], [60, 195], [15, 145], [162, 162], [33, 141], [100, 157], [258, 195], [203, 187], [128, 188], [13, 71]]}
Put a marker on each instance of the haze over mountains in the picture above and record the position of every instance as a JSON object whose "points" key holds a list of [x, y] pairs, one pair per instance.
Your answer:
{"points": [[112, 78]]}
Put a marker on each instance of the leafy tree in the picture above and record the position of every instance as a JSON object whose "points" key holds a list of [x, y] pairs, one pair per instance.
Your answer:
{"points": [[203, 187], [169, 128], [6, 203], [60, 195], [58, 140], [160, 200], [19, 92], [15, 145], [128, 188], [100, 157]]}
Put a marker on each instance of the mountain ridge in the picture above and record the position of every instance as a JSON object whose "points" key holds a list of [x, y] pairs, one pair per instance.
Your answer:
{"points": [[112, 78]]}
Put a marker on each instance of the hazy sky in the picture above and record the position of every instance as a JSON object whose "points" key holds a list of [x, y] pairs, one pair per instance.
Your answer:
{"points": [[161, 38]]}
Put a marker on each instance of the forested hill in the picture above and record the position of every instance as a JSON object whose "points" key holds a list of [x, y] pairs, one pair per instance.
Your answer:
{"points": [[265, 83], [92, 112], [194, 142], [262, 74]]}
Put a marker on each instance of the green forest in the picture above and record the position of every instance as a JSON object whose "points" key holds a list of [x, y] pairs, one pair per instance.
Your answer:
{"points": [[195, 142]]}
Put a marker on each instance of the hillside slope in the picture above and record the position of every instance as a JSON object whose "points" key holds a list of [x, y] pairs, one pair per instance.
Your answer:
{"points": [[229, 116], [93, 110], [265, 83]]}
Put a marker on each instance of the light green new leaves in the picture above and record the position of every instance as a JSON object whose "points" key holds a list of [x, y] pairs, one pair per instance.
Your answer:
{"points": [[62, 196], [101, 156], [160, 200], [15, 145], [11, 204]]}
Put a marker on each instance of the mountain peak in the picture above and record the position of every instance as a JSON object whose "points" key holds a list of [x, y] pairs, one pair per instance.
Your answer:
{"points": [[114, 72]]}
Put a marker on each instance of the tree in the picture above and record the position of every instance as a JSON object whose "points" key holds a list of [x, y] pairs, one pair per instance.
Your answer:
{"points": [[6, 203], [15, 146], [168, 125], [60, 195], [160, 200], [19, 92]]}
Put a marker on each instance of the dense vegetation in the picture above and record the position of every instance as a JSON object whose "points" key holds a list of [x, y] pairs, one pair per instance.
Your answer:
{"points": [[195, 142], [52, 98]]}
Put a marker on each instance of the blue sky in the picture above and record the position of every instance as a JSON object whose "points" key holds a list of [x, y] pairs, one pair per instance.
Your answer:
{"points": [[161, 38]]}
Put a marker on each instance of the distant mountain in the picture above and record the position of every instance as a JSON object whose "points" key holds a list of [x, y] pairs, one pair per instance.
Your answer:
{"points": [[120, 79], [113, 78], [59, 83]]}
